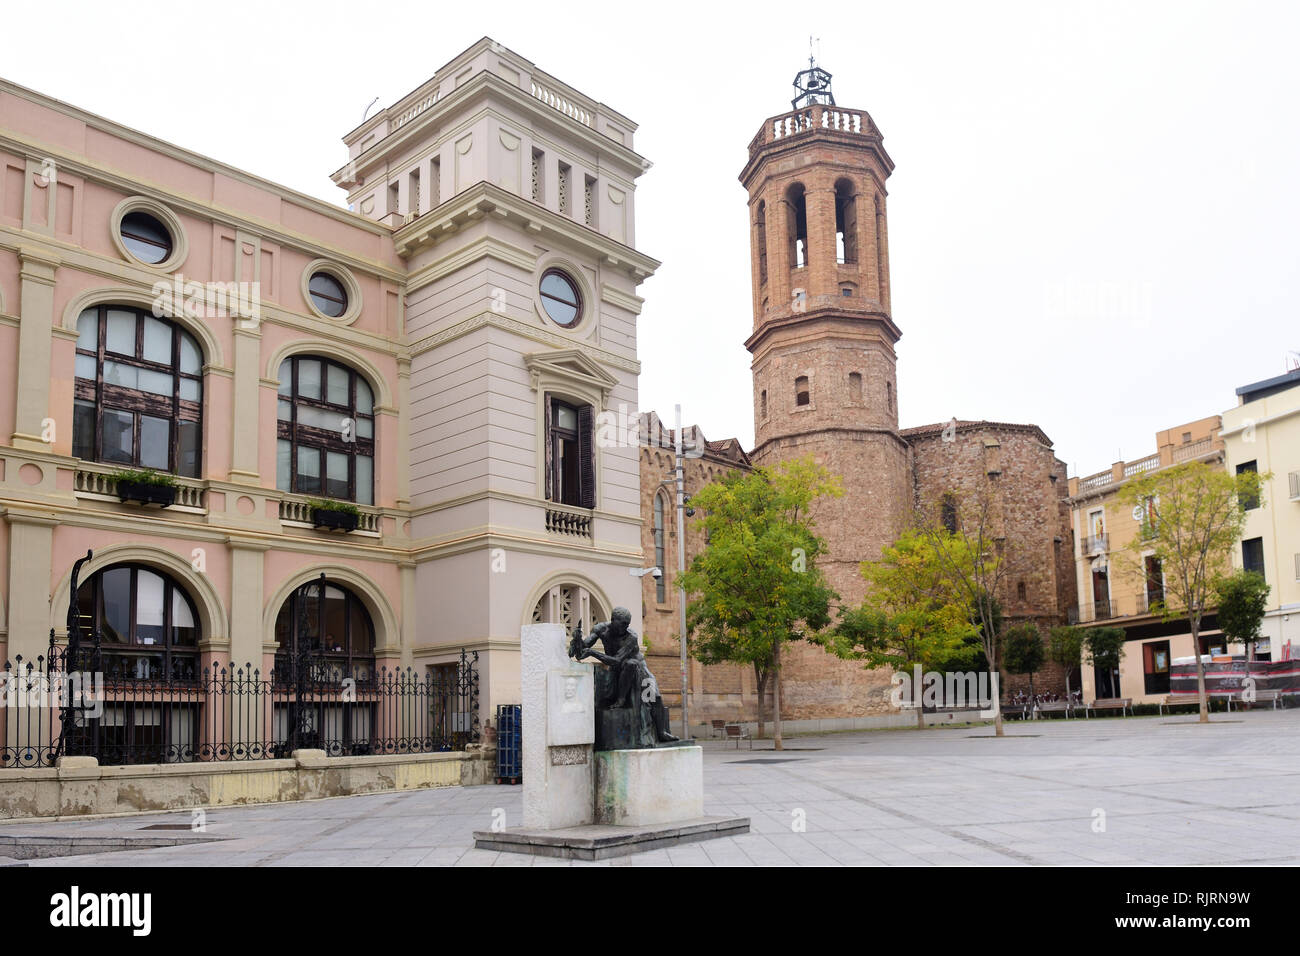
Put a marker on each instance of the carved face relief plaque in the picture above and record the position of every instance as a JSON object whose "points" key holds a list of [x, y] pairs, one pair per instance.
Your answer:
{"points": [[570, 712]]}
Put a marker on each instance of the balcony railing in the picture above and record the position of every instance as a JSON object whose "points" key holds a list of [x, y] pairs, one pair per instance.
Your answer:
{"points": [[570, 522], [1096, 543], [1102, 610], [94, 479], [298, 509], [1146, 600], [1193, 450]]}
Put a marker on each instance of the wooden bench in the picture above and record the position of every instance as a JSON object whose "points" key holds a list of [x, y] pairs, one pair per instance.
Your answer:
{"points": [[719, 728], [1018, 711], [1123, 704], [737, 733], [1259, 697], [1054, 707], [1180, 700]]}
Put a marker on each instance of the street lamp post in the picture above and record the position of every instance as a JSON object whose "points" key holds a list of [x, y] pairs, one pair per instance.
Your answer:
{"points": [[679, 475]]}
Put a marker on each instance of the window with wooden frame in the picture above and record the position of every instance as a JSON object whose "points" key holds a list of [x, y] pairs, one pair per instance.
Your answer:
{"points": [[325, 433], [145, 624], [570, 453], [326, 622], [138, 395]]}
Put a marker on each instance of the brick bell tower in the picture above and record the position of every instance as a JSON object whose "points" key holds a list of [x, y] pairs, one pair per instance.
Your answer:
{"points": [[823, 339]]}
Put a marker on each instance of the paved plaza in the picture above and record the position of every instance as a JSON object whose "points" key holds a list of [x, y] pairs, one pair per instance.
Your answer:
{"points": [[1142, 791]]}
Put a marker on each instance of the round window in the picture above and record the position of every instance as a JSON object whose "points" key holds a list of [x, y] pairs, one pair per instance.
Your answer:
{"points": [[146, 238], [560, 298], [328, 295]]}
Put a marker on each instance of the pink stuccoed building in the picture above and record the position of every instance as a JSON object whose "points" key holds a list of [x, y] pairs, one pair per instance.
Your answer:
{"points": [[435, 352]]}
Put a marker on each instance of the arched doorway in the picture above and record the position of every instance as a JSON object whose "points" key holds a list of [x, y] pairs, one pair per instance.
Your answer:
{"points": [[324, 682]]}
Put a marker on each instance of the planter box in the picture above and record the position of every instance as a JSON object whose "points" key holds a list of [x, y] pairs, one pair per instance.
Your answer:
{"points": [[163, 495], [333, 520]]}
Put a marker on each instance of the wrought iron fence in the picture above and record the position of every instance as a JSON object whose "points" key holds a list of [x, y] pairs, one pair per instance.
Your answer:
{"points": [[89, 702]]}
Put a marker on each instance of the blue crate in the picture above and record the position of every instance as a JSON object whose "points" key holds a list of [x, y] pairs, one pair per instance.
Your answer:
{"points": [[510, 767]]}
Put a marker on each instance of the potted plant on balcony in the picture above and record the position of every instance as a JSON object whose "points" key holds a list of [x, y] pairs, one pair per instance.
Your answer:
{"points": [[334, 515], [145, 485]]}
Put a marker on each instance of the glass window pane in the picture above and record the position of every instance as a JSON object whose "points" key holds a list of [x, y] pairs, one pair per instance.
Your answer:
{"points": [[190, 439], [157, 340], [118, 439], [83, 430], [336, 474], [309, 471], [145, 237], [86, 366], [120, 336], [320, 418], [88, 330], [286, 377], [566, 417], [155, 441], [191, 389], [309, 378], [284, 410], [185, 630], [115, 373], [283, 461], [149, 617], [365, 427], [191, 355], [327, 294], [365, 399], [337, 385], [158, 383], [365, 480], [115, 593]]}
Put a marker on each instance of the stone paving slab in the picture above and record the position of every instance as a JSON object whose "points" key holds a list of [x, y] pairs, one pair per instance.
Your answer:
{"points": [[1106, 791]]}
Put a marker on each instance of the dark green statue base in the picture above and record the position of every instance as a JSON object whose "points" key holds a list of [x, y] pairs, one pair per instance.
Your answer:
{"points": [[624, 728]]}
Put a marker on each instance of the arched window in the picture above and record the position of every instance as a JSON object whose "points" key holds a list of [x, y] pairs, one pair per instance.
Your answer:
{"points": [[660, 589], [797, 230], [855, 386], [325, 438], [138, 396], [846, 223], [762, 405], [569, 604], [143, 622], [327, 628], [802, 395], [760, 237]]}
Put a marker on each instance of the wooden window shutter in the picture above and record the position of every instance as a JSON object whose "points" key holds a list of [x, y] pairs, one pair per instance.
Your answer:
{"points": [[549, 451], [587, 454]]}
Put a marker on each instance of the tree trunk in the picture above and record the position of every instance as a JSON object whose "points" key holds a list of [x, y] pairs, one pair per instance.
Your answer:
{"points": [[1200, 673], [760, 678], [776, 695]]}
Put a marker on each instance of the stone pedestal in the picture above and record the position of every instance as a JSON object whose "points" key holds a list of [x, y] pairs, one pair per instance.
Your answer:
{"points": [[558, 731], [638, 788]]}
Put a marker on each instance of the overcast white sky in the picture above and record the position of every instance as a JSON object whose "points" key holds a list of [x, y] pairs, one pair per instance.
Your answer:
{"points": [[1093, 219]]}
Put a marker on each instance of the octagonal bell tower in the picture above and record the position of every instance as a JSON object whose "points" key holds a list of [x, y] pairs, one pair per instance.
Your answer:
{"points": [[823, 339]]}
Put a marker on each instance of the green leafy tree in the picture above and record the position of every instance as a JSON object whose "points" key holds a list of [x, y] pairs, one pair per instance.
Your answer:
{"points": [[1193, 515], [1242, 600], [1023, 652], [911, 614], [756, 585], [1103, 647], [1065, 648], [970, 550]]}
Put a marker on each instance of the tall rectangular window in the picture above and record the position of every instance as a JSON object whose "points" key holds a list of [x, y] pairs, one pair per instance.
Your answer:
{"points": [[1252, 555], [1249, 502], [570, 454], [1155, 666]]}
